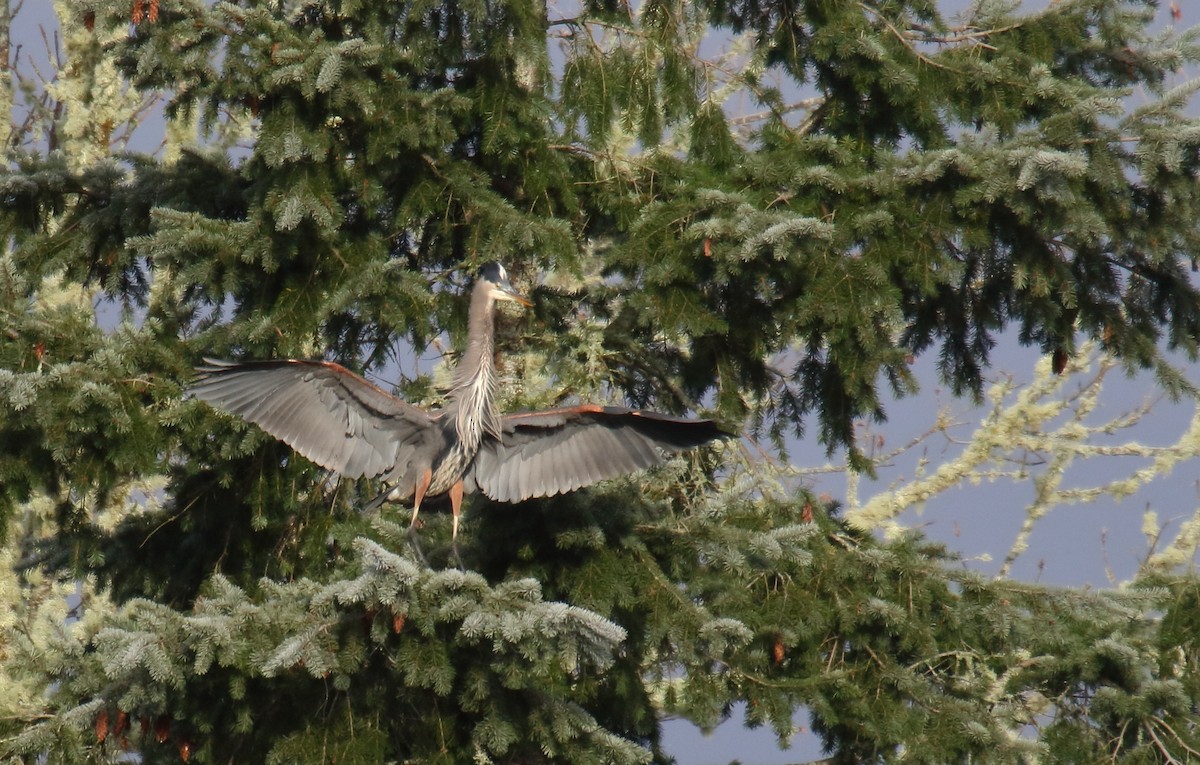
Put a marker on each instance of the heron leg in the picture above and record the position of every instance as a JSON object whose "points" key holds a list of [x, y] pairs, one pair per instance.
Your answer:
{"points": [[418, 495], [456, 497]]}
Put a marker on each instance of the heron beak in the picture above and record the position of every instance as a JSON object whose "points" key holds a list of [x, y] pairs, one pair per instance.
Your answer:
{"points": [[506, 292]]}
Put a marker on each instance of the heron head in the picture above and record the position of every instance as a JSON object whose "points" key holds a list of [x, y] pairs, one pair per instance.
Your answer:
{"points": [[496, 278]]}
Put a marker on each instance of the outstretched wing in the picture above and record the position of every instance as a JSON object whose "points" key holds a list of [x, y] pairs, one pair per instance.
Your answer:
{"points": [[560, 450], [321, 409]]}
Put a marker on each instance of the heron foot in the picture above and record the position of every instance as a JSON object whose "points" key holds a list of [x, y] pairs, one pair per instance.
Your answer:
{"points": [[414, 542]]}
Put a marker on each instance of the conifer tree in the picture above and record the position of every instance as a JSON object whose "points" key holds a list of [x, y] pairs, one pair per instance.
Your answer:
{"points": [[901, 183]]}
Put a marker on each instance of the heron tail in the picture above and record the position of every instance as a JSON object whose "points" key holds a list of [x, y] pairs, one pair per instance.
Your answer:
{"points": [[378, 501]]}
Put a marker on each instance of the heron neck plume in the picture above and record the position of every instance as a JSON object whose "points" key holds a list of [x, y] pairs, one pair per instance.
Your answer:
{"points": [[472, 395]]}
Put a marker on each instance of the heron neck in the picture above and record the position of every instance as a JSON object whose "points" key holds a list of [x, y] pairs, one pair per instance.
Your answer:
{"points": [[473, 392]]}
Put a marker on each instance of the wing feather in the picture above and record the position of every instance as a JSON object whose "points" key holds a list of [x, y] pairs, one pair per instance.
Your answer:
{"points": [[322, 410], [573, 454], [547, 453]]}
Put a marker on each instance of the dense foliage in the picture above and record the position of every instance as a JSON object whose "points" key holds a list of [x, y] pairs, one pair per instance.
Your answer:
{"points": [[769, 232]]}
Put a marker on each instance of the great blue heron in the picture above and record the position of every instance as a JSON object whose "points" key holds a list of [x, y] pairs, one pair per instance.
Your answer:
{"points": [[345, 424]]}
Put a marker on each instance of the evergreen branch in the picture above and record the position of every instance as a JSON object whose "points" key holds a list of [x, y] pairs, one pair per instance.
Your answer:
{"points": [[905, 41], [1192, 753], [1012, 432], [806, 104]]}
